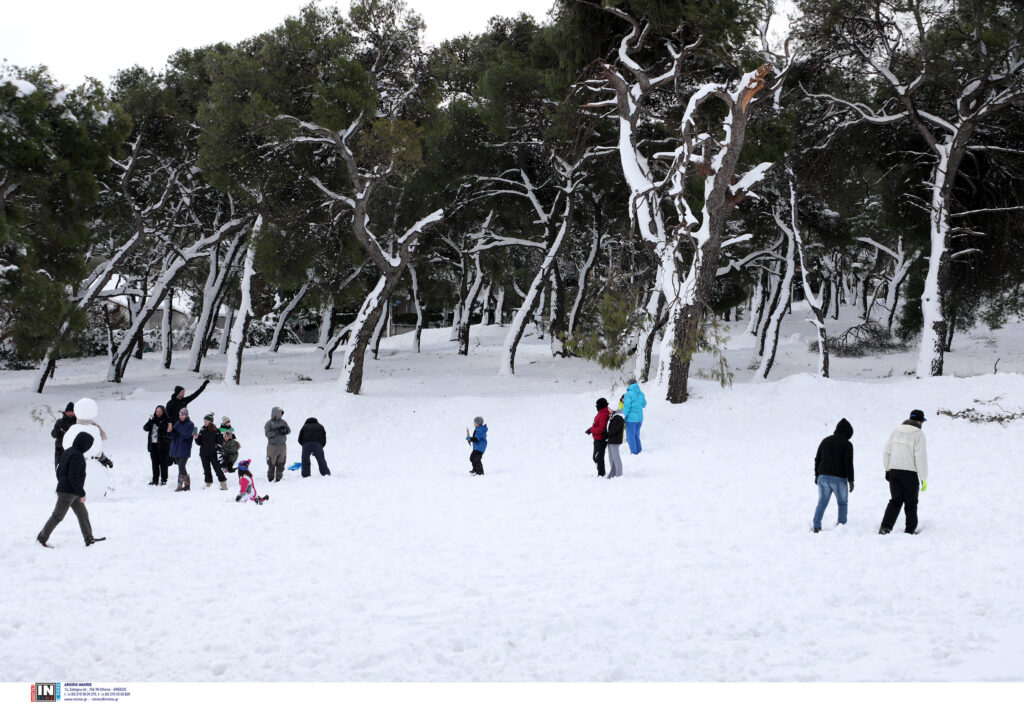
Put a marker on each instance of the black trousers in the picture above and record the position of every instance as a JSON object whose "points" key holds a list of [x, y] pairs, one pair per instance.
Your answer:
{"points": [[476, 459], [160, 461], [56, 457], [210, 464], [903, 487], [599, 446]]}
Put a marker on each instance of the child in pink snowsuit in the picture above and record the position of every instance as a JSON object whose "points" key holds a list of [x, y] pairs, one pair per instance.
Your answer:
{"points": [[246, 486]]}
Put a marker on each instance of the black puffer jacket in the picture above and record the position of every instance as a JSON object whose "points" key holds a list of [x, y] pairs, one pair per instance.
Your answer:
{"points": [[71, 469], [835, 453], [613, 435], [209, 440], [163, 439], [60, 428], [313, 431], [174, 405]]}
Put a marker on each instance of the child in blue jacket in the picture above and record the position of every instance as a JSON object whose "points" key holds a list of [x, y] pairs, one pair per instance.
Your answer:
{"points": [[479, 441]]}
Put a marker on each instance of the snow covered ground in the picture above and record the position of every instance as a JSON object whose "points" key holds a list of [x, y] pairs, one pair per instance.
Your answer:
{"points": [[697, 565]]}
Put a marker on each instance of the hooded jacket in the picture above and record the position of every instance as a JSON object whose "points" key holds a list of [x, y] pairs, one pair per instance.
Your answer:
{"points": [[71, 469], [835, 453], [313, 431], [634, 404], [616, 426], [597, 430], [276, 429], [163, 439], [906, 451]]}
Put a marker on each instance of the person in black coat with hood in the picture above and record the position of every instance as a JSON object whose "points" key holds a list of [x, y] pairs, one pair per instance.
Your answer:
{"points": [[312, 438], [71, 491], [179, 400], [158, 442], [833, 471], [60, 428]]}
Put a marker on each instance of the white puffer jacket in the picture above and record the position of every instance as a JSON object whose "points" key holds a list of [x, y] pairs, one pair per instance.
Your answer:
{"points": [[905, 451]]}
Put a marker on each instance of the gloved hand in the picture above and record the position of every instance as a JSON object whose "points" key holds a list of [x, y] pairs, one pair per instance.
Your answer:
{"points": [[851, 485], [924, 486], [206, 382], [586, 431], [238, 497]]}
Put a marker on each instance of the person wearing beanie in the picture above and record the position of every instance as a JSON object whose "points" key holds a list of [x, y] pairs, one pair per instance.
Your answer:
{"points": [[182, 433], [596, 432], [633, 406], [613, 438], [158, 442], [179, 400], [71, 491], [313, 439], [60, 428], [905, 459], [277, 431], [229, 451], [210, 441], [478, 440], [833, 472], [247, 486]]}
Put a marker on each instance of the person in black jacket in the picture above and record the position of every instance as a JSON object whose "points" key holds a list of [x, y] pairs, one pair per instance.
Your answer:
{"points": [[613, 438], [60, 428], [833, 471], [313, 438], [158, 442], [179, 400], [210, 440], [71, 491]]}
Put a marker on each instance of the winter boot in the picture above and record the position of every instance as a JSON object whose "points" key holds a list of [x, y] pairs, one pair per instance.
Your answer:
{"points": [[181, 484], [154, 482], [94, 540], [186, 483], [884, 530], [210, 483], [223, 485]]}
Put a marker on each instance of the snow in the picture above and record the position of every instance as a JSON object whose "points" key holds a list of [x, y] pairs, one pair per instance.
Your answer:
{"points": [[697, 565], [23, 88]]}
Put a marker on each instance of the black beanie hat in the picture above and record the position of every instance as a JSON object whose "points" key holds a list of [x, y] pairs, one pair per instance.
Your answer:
{"points": [[602, 403], [70, 408]]}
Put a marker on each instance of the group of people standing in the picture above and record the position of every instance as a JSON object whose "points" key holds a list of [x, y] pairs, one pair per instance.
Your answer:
{"points": [[904, 459], [611, 425]]}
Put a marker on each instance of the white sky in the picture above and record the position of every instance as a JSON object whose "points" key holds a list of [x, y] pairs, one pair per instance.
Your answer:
{"points": [[78, 38]]}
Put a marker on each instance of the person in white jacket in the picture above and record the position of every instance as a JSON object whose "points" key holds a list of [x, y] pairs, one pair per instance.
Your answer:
{"points": [[906, 469]]}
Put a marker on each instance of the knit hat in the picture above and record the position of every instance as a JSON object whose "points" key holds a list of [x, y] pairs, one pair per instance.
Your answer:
{"points": [[917, 415], [478, 420], [244, 463], [208, 417], [631, 381], [183, 411], [70, 408], [178, 389], [225, 421], [602, 403]]}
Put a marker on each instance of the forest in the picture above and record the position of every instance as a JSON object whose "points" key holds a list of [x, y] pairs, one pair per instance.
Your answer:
{"points": [[625, 178]]}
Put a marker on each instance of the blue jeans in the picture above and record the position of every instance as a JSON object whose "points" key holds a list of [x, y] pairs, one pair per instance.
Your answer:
{"points": [[633, 437], [317, 450], [827, 485]]}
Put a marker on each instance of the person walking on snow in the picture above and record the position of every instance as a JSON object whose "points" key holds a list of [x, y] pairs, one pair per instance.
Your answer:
{"points": [[313, 439], [633, 406], [158, 442], [479, 442], [179, 400], [905, 459], [833, 471], [247, 486], [597, 433], [71, 491], [210, 442], [613, 438], [277, 431], [182, 434], [60, 428]]}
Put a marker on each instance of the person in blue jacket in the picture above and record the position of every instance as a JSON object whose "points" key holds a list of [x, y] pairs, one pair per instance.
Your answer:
{"points": [[479, 441], [633, 405], [182, 434]]}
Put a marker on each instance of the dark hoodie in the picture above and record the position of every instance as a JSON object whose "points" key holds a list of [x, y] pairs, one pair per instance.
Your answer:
{"points": [[71, 469], [835, 453], [313, 431], [174, 405]]}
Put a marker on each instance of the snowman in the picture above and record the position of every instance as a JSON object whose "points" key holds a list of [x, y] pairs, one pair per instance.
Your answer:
{"points": [[86, 410]]}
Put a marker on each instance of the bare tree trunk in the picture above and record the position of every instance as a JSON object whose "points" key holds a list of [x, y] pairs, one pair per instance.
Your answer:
{"points": [[225, 333], [581, 283], [499, 307], [325, 324], [239, 331], [282, 320], [556, 314], [775, 319], [166, 333], [418, 333], [378, 331]]}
